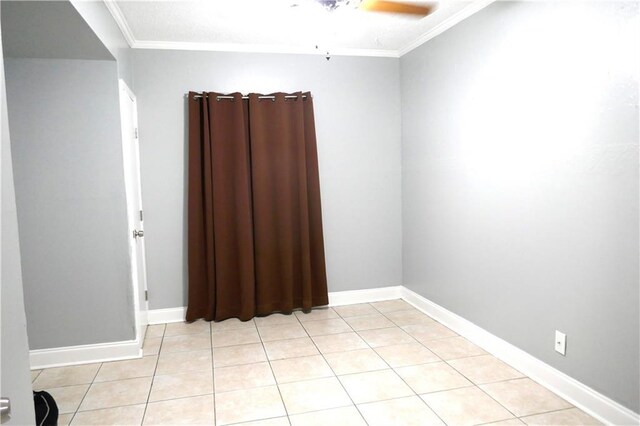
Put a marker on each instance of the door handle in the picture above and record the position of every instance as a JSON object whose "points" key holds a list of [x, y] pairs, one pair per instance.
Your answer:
{"points": [[137, 233], [5, 407]]}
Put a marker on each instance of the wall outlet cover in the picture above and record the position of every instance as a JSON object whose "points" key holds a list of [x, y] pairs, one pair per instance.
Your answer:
{"points": [[561, 343]]}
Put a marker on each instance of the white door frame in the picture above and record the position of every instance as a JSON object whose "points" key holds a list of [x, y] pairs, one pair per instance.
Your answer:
{"points": [[141, 306]]}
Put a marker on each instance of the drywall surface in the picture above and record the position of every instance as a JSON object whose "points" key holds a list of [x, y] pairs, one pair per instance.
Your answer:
{"points": [[15, 381], [99, 19], [48, 29], [70, 193], [357, 111], [520, 181]]}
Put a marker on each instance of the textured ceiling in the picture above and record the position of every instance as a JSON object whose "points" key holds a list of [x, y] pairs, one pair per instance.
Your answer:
{"points": [[276, 25]]}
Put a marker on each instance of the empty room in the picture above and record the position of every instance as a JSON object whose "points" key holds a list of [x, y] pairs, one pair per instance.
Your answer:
{"points": [[320, 212]]}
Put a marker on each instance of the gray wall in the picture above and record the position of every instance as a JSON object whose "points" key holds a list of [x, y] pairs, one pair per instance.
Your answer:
{"points": [[15, 382], [69, 179], [520, 181], [99, 19], [357, 106], [48, 29]]}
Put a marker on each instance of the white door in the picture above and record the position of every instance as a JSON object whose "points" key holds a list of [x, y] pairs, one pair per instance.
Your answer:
{"points": [[135, 213]]}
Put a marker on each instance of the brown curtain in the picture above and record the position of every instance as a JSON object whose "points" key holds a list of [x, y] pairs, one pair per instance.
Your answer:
{"points": [[255, 225]]}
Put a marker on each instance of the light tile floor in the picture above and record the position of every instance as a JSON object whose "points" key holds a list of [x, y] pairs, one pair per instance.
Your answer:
{"points": [[382, 363]]}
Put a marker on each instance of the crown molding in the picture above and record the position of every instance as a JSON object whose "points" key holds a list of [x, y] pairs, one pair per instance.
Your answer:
{"points": [[259, 48], [473, 8], [118, 16]]}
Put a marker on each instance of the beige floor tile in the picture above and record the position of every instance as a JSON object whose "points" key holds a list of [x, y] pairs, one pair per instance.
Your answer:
{"points": [[453, 348], [68, 398], [244, 376], [331, 326], [508, 422], [293, 348], [115, 394], [524, 397], [385, 337], [275, 319], [281, 332], [410, 317], [66, 376], [484, 369], [236, 355], [151, 346], [406, 354], [375, 386], [182, 328], [231, 324], [465, 406], [339, 342], [409, 411], [129, 415], [572, 416], [196, 410], [433, 377], [369, 322], [355, 310], [65, 419], [391, 305], [186, 343], [129, 369], [313, 395], [304, 368], [248, 405], [316, 314], [181, 385], [343, 416], [358, 361], [181, 362], [426, 332], [35, 374], [156, 330], [234, 337], [278, 421]]}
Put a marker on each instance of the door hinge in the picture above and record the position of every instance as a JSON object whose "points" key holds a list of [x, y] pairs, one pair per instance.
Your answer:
{"points": [[141, 216], [135, 133], [146, 295]]}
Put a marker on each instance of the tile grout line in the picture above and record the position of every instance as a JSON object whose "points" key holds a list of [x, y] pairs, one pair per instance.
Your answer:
{"points": [[73, 415], [286, 412], [333, 371], [473, 384], [445, 390], [395, 372], [153, 377], [213, 373]]}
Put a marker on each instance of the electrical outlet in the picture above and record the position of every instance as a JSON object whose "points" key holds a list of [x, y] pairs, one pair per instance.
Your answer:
{"points": [[561, 343]]}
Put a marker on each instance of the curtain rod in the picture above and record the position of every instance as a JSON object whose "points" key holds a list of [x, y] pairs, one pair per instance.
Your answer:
{"points": [[272, 97]]}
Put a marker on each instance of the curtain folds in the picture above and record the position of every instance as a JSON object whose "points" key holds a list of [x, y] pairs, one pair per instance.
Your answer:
{"points": [[255, 242]]}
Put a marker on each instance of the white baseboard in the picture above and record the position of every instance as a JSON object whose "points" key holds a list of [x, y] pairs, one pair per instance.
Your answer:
{"points": [[84, 354], [336, 298], [163, 316], [575, 392], [578, 394]]}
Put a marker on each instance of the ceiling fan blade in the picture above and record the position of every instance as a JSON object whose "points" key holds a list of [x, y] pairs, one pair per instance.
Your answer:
{"points": [[395, 7]]}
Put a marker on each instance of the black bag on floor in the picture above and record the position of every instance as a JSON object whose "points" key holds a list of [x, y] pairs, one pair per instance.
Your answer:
{"points": [[46, 409]]}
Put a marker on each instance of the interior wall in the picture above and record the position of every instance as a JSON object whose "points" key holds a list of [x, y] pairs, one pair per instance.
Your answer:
{"points": [[15, 379], [520, 181], [70, 193], [99, 19], [357, 111]]}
